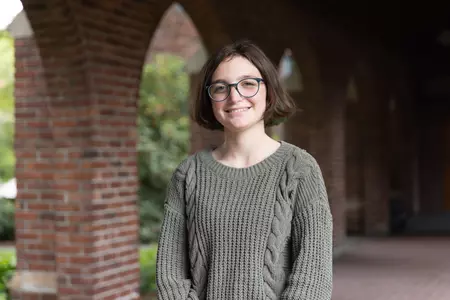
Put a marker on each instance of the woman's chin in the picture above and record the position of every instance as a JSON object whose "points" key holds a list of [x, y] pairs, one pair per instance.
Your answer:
{"points": [[239, 125]]}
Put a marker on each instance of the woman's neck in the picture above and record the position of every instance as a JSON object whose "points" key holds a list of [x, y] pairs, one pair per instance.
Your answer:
{"points": [[246, 148]]}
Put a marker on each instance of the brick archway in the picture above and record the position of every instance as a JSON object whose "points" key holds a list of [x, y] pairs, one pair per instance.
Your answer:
{"points": [[77, 88], [205, 16]]}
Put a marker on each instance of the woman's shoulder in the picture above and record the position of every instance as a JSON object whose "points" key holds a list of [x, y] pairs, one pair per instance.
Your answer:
{"points": [[300, 162], [299, 155], [184, 167], [189, 163]]}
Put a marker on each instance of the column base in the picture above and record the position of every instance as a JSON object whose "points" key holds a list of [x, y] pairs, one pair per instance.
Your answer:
{"points": [[33, 284]]}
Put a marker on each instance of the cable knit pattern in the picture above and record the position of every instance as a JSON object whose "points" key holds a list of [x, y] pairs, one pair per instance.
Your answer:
{"points": [[197, 261], [274, 274], [262, 232]]}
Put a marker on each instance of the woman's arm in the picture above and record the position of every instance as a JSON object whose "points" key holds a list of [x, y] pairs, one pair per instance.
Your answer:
{"points": [[312, 239], [172, 264]]}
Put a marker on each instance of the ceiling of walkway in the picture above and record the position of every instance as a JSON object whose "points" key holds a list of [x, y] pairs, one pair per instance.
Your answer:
{"points": [[418, 31], [396, 23]]}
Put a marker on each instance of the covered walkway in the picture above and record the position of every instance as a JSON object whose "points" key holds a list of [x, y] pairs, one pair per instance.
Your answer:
{"points": [[401, 268], [375, 114]]}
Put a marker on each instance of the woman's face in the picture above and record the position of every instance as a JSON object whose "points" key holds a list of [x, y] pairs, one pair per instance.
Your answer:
{"points": [[238, 113]]}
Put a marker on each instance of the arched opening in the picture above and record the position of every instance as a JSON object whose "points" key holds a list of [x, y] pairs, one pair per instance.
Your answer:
{"points": [[292, 79], [7, 71], [9, 13], [290, 74], [172, 63]]}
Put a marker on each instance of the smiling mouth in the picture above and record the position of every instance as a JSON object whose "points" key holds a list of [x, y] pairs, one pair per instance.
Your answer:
{"points": [[237, 110]]}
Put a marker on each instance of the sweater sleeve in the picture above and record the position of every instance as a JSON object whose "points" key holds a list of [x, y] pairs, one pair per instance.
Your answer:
{"points": [[312, 239], [172, 264]]}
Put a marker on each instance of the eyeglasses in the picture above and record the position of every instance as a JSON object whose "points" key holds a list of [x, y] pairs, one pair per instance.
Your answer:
{"points": [[247, 88]]}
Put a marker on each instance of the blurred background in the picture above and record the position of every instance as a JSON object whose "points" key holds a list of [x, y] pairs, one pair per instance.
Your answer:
{"points": [[94, 104]]}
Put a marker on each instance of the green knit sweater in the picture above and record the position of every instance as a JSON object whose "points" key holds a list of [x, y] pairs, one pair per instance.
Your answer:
{"points": [[261, 232]]}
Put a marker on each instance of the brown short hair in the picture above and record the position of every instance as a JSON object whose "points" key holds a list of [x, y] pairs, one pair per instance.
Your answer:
{"points": [[280, 105]]}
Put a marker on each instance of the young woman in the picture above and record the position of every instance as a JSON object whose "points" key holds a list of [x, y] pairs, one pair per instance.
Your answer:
{"points": [[249, 219]]}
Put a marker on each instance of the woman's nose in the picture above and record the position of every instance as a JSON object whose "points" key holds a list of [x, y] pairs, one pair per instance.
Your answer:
{"points": [[234, 95]]}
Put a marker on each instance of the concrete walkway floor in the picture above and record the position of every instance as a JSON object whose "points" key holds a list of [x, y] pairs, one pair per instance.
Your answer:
{"points": [[399, 268]]}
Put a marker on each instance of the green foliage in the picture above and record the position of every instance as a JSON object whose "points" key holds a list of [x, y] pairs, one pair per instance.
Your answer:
{"points": [[6, 72], [163, 135], [7, 268], [148, 269], [7, 158], [6, 219], [163, 119]]}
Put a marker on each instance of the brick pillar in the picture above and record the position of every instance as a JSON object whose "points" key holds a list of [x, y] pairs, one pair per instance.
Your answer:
{"points": [[76, 101], [376, 177], [446, 205], [402, 114], [200, 137], [407, 108], [37, 189], [354, 169], [327, 144], [76, 214], [375, 152], [402, 152]]}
